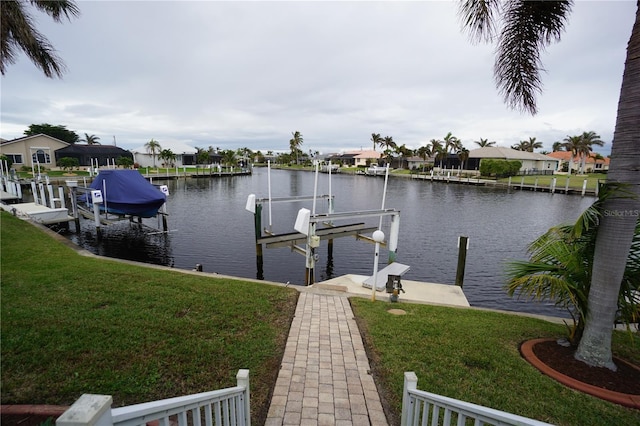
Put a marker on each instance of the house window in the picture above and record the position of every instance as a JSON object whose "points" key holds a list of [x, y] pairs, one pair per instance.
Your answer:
{"points": [[15, 158], [42, 157]]}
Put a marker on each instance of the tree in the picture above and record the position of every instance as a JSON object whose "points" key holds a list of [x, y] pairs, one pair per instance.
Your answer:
{"points": [[482, 143], [19, 34], [424, 152], [377, 140], [58, 132], [560, 265], [572, 145], [463, 155], [557, 146], [68, 163], [389, 146], [153, 147], [295, 143], [528, 27], [438, 150], [202, 156], [90, 139], [527, 146], [168, 157], [451, 143], [229, 157], [587, 141], [124, 162]]}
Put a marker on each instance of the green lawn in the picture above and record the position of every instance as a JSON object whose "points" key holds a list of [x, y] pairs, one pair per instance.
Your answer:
{"points": [[575, 182], [74, 325], [473, 356]]}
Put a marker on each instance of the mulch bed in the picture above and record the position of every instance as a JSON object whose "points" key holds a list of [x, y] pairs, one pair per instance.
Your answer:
{"points": [[625, 380]]}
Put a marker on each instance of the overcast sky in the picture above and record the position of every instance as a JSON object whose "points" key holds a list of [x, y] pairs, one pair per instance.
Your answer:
{"points": [[247, 74]]}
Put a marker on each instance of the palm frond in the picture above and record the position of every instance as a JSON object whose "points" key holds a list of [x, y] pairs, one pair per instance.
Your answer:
{"points": [[478, 17], [529, 27]]}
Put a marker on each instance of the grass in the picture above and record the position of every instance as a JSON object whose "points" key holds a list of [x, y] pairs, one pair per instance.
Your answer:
{"points": [[473, 356], [575, 182], [74, 325]]}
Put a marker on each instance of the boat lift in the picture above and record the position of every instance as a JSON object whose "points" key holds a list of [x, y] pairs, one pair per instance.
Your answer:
{"points": [[307, 229]]}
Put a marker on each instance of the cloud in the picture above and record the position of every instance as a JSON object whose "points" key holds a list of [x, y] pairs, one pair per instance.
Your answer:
{"points": [[236, 74]]}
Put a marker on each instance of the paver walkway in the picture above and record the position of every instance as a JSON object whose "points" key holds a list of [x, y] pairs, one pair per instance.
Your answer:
{"points": [[324, 378]]}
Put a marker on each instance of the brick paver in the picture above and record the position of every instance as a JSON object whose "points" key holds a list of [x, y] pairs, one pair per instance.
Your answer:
{"points": [[324, 377]]}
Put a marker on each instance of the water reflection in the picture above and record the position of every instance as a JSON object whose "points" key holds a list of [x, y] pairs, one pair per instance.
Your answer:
{"points": [[210, 226]]}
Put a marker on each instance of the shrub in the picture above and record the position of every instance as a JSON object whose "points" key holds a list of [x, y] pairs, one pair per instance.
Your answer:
{"points": [[499, 168], [68, 163]]}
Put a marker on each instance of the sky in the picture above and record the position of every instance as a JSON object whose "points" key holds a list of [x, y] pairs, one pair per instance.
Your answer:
{"points": [[247, 74]]}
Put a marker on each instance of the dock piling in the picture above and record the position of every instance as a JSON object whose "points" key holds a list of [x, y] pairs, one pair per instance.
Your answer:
{"points": [[463, 246]]}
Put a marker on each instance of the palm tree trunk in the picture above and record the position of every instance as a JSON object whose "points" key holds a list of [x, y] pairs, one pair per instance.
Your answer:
{"points": [[620, 215]]}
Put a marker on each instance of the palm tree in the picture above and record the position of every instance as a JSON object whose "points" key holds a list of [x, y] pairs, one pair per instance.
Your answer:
{"points": [[168, 157], [482, 143], [572, 145], [438, 150], [376, 139], [229, 157], [588, 139], [527, 28], [451, 143], [153, 147], [389, 146], [463, 155], [533, 144], [295, 143], [90, 139], [557, 146], [560, 265], [424, 152], [17, 33]]}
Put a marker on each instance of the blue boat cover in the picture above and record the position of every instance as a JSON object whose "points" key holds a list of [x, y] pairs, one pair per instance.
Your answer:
{"points": [[127, 192]]}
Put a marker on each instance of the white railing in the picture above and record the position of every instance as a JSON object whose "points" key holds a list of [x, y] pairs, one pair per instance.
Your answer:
{"points": [[424, 408], [224, 407]]}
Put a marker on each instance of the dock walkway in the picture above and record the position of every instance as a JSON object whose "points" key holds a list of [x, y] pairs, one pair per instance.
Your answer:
{"points": [[324, 377]]}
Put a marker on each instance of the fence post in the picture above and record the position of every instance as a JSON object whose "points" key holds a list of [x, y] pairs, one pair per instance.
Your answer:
{"points": [[463, 245], [88, 410], [410, 382], [242, 379]]}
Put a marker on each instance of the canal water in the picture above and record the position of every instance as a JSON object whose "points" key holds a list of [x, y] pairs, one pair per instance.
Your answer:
{"points": [[209, 226]]}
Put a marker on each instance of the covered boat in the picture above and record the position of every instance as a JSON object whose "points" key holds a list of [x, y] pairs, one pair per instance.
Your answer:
{"points": [[126, 192]]}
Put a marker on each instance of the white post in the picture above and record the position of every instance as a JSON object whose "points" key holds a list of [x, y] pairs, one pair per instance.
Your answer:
{"points": [[566, 186], [63, 204], [410, 383], [553, 185], [535, 185], [315, 189], [269, 185], [378, 237], [43, 198], [584, 187], [88, 410], [384, 196], [509, 182], [394, 231], [34, 192], [52, 202], [242, 379]]}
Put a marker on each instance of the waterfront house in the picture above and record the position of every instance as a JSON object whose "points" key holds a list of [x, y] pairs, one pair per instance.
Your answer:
{"points": [[532, 162], [31, 151], [359, 158], [185, 155], [593, 163], [85, 154]]}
